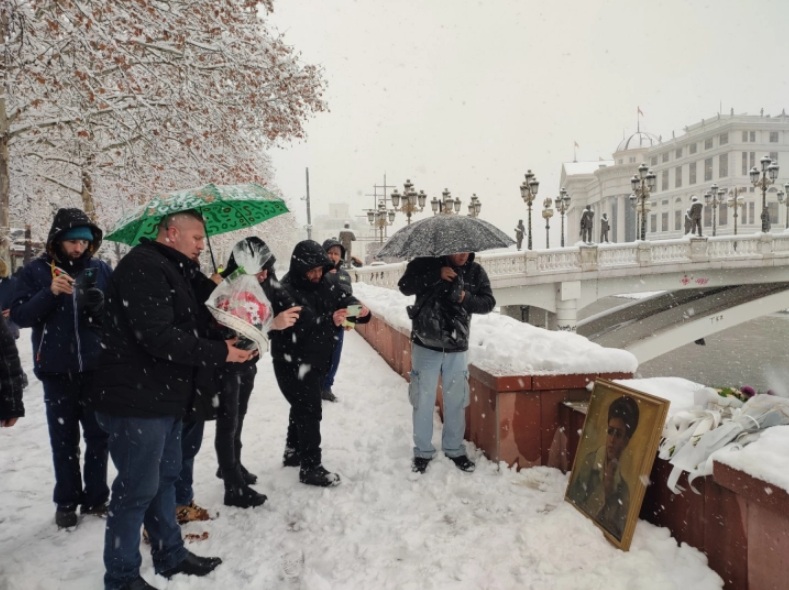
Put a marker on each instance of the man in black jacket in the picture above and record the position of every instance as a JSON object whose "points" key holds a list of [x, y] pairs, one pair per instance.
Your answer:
{"points": [[142, 387], [302, 353], [448, 290]]}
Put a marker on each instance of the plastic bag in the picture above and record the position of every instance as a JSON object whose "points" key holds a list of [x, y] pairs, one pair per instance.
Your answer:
{"points": [[239, 303]]}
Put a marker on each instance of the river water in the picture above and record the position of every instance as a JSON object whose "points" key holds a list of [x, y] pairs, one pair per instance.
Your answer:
{"points": [[755, 353]]}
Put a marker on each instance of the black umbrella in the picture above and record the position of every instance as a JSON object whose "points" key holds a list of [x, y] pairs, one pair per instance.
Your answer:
{"points": [[444, 234]]}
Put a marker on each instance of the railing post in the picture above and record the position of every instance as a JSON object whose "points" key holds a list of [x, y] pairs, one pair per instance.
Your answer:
{"points": [[699, 251], [766, 245], [644, 255], [531, 262], [588, 257]]}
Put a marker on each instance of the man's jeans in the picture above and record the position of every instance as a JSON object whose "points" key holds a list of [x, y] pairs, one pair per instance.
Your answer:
{"points": [[147, 454], [191, 441], [335, 360], [426, 366], [66, 412]]}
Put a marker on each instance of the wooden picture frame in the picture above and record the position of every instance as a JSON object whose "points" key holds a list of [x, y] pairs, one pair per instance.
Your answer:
{"points": [[617, 448]]}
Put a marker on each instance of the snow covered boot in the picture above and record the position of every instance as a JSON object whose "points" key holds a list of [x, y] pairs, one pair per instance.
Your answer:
{"points": [[318, 476]]}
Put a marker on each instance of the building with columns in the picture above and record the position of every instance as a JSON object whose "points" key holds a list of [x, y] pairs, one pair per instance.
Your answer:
{"points": [[720, 150]]}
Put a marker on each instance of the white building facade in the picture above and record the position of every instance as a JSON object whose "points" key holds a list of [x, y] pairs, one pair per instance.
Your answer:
{"points": [[721, 150]]}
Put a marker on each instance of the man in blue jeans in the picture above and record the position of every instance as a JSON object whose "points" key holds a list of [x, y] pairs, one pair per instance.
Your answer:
{"points": [[141, 390], [60, 296], [448, 290]]}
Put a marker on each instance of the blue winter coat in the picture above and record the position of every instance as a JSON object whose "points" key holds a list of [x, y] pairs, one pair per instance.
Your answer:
{"points": [[64, 340]]}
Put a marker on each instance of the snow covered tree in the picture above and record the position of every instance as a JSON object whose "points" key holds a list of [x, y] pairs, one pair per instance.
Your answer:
{"points": [[111, 101]]}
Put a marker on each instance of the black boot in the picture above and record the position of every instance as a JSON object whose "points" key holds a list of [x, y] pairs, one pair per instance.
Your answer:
{"points": [[290, 458], [318, 476], [193, 565], [249, 478], [239, 494]]}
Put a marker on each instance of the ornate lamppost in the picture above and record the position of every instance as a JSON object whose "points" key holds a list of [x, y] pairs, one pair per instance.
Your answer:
{"points": [[529, 188], [714, 197], [762, 180], [379, 218], [446, 205], [412, 202], [643, 184], [474, 206], [562, 204], [736, 201], [547, 213]]}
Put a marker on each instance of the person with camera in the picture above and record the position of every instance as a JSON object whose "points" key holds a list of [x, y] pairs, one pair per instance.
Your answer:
{"points": [[302, 353], [60, 295], [336, 253], [448, 290]]}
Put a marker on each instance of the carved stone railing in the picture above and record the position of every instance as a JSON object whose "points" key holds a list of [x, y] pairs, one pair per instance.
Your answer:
{"points": [[533, 266]]}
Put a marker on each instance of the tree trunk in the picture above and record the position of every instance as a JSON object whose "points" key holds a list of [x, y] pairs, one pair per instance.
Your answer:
{"points": [[87, 193], [5, 187]]}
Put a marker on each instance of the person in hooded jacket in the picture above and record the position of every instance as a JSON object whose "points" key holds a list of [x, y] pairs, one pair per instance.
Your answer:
{"points": [[302, 353], [448, 290], [336, 253], [60, 295]]}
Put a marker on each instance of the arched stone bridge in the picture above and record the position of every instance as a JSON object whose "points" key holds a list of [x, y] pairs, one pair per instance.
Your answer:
{"points": [[705, 285]]}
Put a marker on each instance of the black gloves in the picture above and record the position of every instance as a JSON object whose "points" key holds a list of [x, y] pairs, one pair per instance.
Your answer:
{"points": [[90, 303], [455, 292]]}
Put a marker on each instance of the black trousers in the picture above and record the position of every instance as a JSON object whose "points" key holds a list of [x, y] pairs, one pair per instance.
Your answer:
{"points": [[303, 393], [237, 384]]}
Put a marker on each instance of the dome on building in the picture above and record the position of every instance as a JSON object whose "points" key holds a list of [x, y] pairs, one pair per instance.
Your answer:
{"points": [[639, 140]]}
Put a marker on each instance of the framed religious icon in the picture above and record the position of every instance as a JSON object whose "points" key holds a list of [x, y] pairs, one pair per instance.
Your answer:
{"points": [[614, 458]]}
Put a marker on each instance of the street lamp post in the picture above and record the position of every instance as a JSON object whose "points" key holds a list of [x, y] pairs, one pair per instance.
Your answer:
{"points": [[379, 218], [446, 205], [547, 213], [714, 197], [412, 202], [643, 184], [529, 188], [762, 180], [736, 201], [474, 206], [562, 204]]}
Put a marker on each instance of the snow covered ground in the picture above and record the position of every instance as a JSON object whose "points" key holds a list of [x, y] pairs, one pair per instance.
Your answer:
{"points": [[384, 527]]}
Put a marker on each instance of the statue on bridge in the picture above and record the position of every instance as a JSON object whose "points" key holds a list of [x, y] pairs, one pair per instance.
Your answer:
{"points": [[586, 224], [519, 231], [346, 237], [604, 227], [695, 215]]}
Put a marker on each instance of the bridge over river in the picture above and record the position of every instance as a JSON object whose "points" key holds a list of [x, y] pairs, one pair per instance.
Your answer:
{"points": [[689, 288]]}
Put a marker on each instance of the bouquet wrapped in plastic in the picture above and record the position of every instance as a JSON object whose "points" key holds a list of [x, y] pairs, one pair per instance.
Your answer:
{"points": [[239, 302]]}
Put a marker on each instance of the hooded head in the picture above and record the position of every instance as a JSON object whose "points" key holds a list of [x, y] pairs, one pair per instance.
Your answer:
{"points": [[308, 256], [253, 254], [333, 243], [72, 224], [694, 199]]}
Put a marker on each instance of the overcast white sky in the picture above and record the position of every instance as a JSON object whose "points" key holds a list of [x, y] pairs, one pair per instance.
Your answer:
{"points": [[470, 94]]}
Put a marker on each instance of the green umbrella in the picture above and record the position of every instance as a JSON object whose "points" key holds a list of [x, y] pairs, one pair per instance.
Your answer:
{"points": [[225, 208]]}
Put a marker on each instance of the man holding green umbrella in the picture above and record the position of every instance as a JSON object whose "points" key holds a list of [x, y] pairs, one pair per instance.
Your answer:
{"points": [[142, 387]]}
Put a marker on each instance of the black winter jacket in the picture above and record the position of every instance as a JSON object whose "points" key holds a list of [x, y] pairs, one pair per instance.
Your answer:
{"points": [[152, 346], [438, 322], [11, 376], [310, 341]]}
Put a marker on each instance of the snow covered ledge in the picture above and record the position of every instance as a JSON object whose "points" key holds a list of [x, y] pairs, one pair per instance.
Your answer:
{"points": [[519, 376]]}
